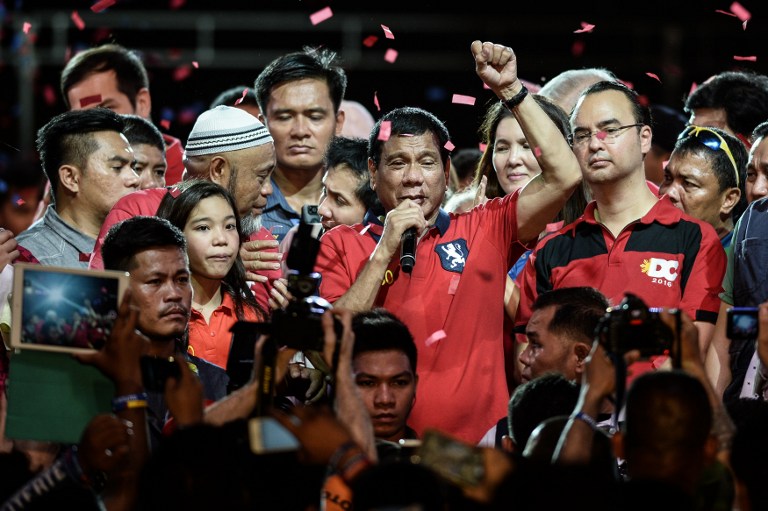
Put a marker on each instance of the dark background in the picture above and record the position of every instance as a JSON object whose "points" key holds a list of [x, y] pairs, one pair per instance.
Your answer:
{"points": [[681, 42]]}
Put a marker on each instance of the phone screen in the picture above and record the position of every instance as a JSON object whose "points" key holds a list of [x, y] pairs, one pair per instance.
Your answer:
{"points": [[456, 461], [742, 323], [266, 435]]}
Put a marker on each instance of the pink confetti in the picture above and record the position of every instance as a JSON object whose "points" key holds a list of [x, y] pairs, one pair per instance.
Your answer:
{"points": [[83, 257], [18, 200], [537, 151], [740, 12], [77, 20], [449, 146], [454, 285], [585, 28], [89, 100], [387, 32], [370, 41], [376, 100], [165, 123], [628, 84], [601, 135], [49, 95], [390, 56], [175, 4], [654, 76], [102, 4], [240, 100], [719, 11], [385, 130], [182, 73], [694, 86], [463, 100], [321, 15], [26, 26], [751, 58], [195, 64], [485, 86], [174, 191], [482, 146], [435, 338]]}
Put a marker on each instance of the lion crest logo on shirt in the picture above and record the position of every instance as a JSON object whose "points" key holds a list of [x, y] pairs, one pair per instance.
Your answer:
{"points": [[453, 255]]}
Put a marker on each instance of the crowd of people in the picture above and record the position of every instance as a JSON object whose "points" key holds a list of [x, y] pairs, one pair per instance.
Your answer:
{"points": [[561, 337]]}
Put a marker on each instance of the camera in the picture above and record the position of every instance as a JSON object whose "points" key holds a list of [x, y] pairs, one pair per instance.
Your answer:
{"points": [[633, 326], [299, 324], [742, 323]]}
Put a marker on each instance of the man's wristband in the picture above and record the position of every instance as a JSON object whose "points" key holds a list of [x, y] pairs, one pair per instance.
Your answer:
{"points": [[129, 401], [516, 99], [586, 418]]}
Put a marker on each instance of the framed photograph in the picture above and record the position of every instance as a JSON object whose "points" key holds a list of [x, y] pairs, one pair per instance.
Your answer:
{"points": [[64, 309]]}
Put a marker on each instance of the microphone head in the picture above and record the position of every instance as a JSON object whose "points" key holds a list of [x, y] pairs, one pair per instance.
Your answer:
{"points": [[406, 263]]}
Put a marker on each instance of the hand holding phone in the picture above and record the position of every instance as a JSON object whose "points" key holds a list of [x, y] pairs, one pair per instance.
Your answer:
{"points": [[742, 323]]}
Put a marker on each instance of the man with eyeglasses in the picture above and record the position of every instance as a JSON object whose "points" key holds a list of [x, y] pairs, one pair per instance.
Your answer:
{"points": [[629, 239], [703, 177]]}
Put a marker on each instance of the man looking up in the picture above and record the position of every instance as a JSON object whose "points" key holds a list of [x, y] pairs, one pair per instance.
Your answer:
{"points": [[89, 165], [114, 77], [458, 258], [299, 96], [384, 365], [703, 177]]}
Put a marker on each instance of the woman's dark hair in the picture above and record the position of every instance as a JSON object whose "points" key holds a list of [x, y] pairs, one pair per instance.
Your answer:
{"points": [[177, 207]]}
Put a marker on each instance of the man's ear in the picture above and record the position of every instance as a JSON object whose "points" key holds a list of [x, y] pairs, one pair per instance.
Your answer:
{"points": [[340, 118], [143, 103], [507, 444], [730, 199], [219, 171], [69, 179], [372, 172]]}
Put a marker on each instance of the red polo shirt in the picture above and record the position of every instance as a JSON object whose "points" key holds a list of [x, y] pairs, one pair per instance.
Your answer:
{"points": [[452, 303]]}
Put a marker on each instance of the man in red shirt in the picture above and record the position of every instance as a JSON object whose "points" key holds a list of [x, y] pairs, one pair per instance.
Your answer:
{"points": [[449, 301]]}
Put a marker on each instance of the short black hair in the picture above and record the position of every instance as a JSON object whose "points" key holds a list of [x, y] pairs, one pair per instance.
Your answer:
{"points": [[640, 111], [131, 75], [409, 120], [128, 237], [578, 310], [67, 139], [379, 330], [353, 152], [139, 130], [315, 63]]}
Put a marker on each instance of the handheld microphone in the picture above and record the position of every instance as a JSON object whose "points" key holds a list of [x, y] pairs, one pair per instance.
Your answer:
{"points": [[408, 250]]}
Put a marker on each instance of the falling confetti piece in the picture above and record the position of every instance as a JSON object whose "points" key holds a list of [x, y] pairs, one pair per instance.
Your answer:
{"points": [[740, 12], [89, 100], [435, 338], [694, 86], [390, 56], [195, 64], [628, 84], [376, 101], [182, 73], [102, 4], [321, 15], [537, 151], [654, 76], [463, 100], [449, 146], [18, 200], [726, 13], [240, 100], [26, 26], [585, 28], [482, 146], [751, 58], [165, 123], [83, 257], [176, 4], [385, 130], [49, 95], [174, 191], [77, 20], [387, 32], [370, 41]]}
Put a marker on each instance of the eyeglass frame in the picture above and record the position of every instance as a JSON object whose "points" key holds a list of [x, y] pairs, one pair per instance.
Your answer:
{"points": [[612, 132], [723, 144]]}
